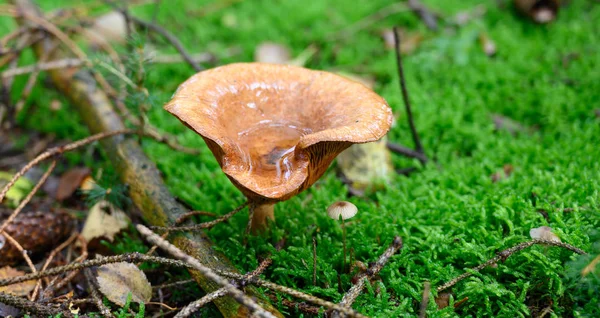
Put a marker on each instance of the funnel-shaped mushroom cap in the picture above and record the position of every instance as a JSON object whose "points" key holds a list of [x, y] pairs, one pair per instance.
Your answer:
{"points": [[275, 129]]}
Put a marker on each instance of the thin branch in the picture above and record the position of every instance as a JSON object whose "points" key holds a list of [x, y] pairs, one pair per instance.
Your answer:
{"points": [[195, 305], [404, 89], [43, 66], [53, 152], [205, 225], [27, 198], [425, 14], [30, 306], [95, 294], [373, 270], [405, 151], [503, 255], [171, 38], [49, 260], [19, 248], [294, 293], [207, 272]]}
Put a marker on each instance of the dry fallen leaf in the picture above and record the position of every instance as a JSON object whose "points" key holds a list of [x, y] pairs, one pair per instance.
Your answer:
{"points": [[20, 289], [365, 167], [543, 233], [104, 220], [70, 181], [108, 28], [118, 280], [409, 42], [269, 52], [442, 300]]}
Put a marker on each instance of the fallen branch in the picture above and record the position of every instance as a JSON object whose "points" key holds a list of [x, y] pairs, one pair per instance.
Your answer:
{"points": [[503, 255], [30, 306], [146, 188], [44, 66], [207, 272], [195, 305]]}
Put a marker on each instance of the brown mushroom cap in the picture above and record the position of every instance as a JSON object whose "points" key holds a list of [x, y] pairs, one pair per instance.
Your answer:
{"points": [[275, 129]]}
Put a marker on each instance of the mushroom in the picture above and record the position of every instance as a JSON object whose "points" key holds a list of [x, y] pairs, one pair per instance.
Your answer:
{"points": [[342, 210], [275, 129]]}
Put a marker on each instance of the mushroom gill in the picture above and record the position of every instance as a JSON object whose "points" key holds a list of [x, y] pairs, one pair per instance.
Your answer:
{"points": [[274, 129]]}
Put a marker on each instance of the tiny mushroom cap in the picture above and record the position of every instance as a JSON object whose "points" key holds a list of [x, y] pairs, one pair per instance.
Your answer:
{"points": [[344, 209], [275, 129]]}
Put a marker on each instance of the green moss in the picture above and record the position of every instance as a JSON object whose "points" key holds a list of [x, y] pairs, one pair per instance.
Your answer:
{"points": [[449, 213]]}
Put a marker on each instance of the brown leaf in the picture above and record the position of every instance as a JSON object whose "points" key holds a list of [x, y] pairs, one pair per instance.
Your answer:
{"points": [[104, 220], [543, 233], [118, 280], [70, 181], [20, 289], [443, 300]]}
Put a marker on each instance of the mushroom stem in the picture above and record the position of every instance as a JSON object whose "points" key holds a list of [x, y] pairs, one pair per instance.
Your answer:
{"points": [[261, 214], [344, 242]]}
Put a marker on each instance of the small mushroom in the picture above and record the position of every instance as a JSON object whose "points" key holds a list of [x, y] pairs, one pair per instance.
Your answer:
{"points": [[275, 129], [342, 210]]}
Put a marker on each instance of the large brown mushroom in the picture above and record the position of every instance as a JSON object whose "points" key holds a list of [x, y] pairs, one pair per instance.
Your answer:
{"points": [[274, 129]]}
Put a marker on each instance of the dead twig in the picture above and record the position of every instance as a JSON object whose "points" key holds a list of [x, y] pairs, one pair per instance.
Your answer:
{"points": [[30, 306], [27, 198], [205, 225], [299, 306], [425, 14], [50, 259], [43, 66], [18, 246], [405, 151], [207, 272], [195, 305], [373, 270], [53, 286], [503, 255], [404, 89], [95, 294], [171, 38], [51, 153]]}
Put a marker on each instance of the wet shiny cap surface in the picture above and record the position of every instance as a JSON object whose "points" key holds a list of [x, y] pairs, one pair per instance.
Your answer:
{"points": [[274, 129]]}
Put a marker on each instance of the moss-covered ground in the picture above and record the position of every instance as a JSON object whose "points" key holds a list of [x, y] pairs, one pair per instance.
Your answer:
{"points": [[450, 214]]}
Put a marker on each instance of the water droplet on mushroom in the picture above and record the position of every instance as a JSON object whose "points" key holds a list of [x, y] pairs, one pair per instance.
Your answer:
{"points": [[268, 147]]}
